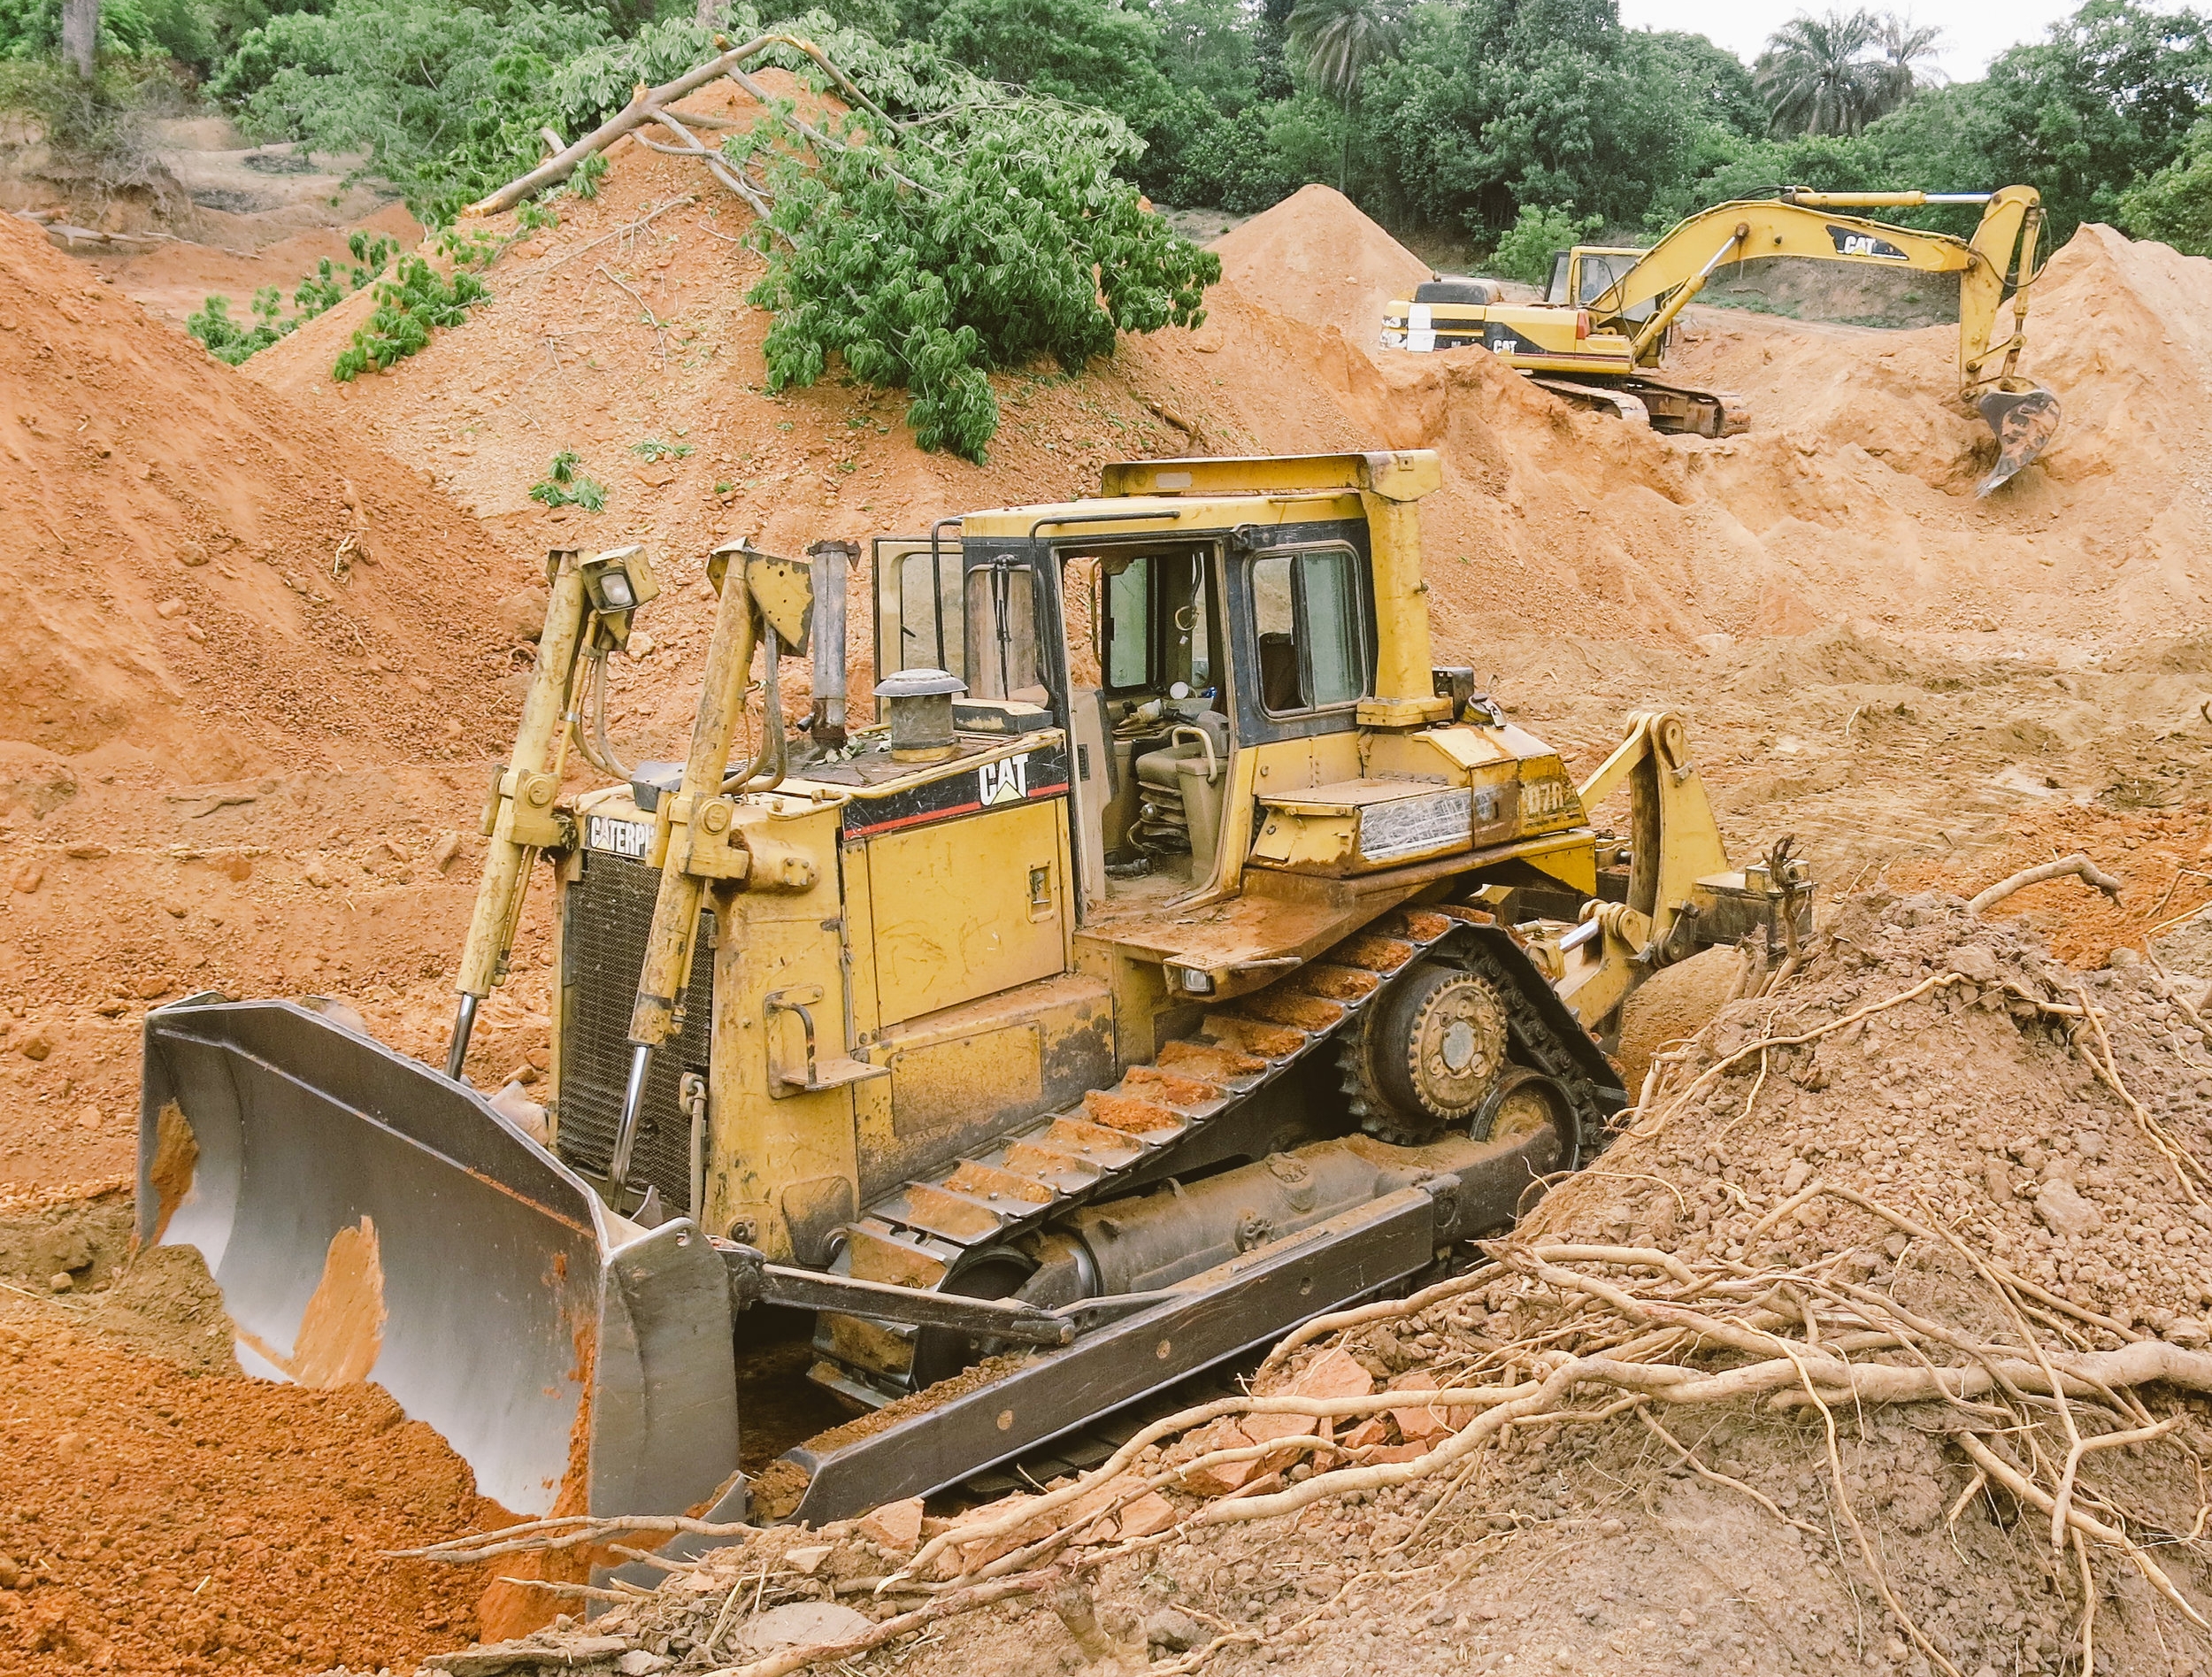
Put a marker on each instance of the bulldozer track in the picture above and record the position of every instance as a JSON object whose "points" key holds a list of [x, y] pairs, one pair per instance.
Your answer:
{"points": [[1089, 1150]]}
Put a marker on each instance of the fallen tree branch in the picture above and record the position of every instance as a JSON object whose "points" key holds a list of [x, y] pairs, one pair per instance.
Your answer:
{"points": [[2076, 864], [643, 107]]}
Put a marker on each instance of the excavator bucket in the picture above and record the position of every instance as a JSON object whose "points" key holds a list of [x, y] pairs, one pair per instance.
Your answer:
{"points": [[2025, 420], [366, 1219]]}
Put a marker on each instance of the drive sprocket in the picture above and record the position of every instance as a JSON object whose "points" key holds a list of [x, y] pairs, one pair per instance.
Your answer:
{"points": [[1426, 1055]]}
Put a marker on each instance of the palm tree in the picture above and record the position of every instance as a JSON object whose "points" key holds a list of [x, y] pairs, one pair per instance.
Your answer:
{"points": [[1338, 40], [1908, 52], [1816, 77]]}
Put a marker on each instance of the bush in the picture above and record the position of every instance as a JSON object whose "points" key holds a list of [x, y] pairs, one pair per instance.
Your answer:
{"points": [[563, 485], [409, 309], [1003, 236], [102, 130], [231, 341], [1526, 253]]}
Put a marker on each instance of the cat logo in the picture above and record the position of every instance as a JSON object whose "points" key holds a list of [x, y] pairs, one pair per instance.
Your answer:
{"points": [[1006, 781], [1849, 244], [617, 837]]}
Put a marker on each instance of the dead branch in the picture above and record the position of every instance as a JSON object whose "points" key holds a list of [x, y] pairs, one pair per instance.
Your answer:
{"points": [[962, 1600], [716, 165], [564, 1531], [2076, 863], [623, 232]]}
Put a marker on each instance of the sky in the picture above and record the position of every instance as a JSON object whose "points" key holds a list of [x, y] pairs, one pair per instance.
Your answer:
{"points": [[1974, 31]]}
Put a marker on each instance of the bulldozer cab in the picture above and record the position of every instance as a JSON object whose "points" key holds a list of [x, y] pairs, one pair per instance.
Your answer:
{"points": [[1165, 654]]}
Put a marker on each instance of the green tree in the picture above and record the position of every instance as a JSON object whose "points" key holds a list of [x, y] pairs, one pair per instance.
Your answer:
{"points": [[1003, 235], [1907, 57], [1526, 253], [1817, 76], [1088, 51], [1335, 41], [1498, 104], [2101, 105], [2175, 205]]}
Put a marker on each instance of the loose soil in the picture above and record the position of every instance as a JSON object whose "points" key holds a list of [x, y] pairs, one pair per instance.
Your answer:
{"points": [[1587, 1541], [159, 1517], [277, 642]]}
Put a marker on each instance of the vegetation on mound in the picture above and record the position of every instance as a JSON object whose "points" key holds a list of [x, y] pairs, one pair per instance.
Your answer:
{"points": [[996, 236], [408, 310], [232, 341]]}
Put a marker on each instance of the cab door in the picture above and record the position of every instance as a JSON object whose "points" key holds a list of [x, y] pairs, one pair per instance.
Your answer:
{"points": [[919, 624]]}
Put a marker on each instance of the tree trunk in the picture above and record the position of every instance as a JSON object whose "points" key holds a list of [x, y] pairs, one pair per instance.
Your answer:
{"points": [[81, 34], [708, 13]]}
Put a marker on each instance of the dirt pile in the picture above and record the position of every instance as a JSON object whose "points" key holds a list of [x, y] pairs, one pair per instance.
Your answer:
{"points": [[160, 1519], [212, 577], [1316, 259], [1699, 1423], [256, 670]]}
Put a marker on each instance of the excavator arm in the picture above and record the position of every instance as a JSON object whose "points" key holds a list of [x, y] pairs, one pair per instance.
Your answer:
{"points": [[1998, 261]]}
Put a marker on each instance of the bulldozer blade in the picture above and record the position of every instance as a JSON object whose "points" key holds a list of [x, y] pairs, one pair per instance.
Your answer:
{"points": [[2024, 421], [366, 1219]]}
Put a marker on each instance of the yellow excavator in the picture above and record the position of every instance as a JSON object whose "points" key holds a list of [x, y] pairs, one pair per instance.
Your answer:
{"points": [[1603, 324], [1180, 954]]}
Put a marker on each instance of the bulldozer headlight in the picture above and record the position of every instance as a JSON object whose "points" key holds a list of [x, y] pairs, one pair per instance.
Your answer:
{"points": [[1191, 981], [610, 591]]}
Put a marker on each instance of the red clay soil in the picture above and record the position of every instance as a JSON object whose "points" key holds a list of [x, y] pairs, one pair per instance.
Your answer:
{"points": [[155, 1520], [2161, 858], [257, 672]]}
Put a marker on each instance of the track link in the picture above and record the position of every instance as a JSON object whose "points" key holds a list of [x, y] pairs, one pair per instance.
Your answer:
{"points": [[919, 1233]]}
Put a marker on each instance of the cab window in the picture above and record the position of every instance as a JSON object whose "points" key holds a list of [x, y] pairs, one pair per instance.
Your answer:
{"points": [[1556, 291], [1307, 623], [1003, 657], [1155, 622], [918, 607]]}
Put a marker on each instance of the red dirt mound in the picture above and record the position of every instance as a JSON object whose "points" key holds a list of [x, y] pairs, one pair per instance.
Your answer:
{"points": [[248, 660], [1318, 259], [210, 575], [156, 1520]]}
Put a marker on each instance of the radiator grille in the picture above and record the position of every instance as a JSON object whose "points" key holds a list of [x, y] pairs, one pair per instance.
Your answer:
{"points": [[608, 914]]}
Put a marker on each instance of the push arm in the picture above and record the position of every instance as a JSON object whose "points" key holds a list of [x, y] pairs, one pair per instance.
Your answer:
{"points": [[759, 595], [589, 599]]}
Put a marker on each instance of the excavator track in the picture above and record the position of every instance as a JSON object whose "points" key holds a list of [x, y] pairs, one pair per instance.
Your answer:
{"points": [[922, 1234]]}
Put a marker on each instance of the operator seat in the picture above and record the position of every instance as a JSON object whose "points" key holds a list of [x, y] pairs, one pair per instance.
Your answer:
{"points": [[1182, 787]]}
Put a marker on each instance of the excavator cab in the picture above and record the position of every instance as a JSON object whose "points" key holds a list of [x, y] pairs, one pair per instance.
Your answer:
{"points": [[1177, 953], [1584, 273]]}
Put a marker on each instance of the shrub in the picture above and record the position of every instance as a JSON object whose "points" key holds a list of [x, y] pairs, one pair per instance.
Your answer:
{"points": [[409, 308], [1526, 251], [1005, 237], [563, 485]]}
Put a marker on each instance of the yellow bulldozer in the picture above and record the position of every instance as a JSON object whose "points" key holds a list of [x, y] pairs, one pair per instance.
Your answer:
{"points": [[1178, 955], [1601, 330]]}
